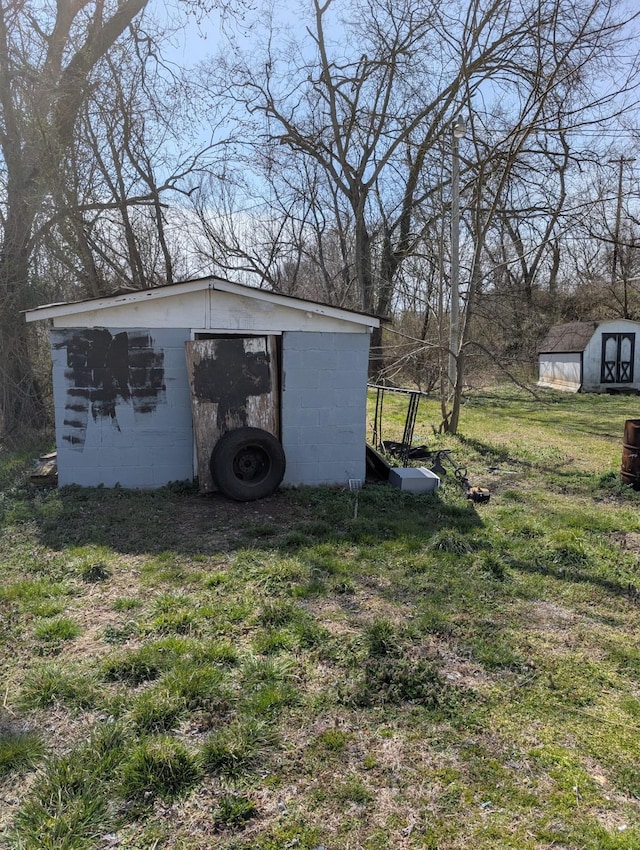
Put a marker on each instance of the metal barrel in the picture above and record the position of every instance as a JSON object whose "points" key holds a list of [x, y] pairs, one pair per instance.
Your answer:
{"points": [[630, 472]]}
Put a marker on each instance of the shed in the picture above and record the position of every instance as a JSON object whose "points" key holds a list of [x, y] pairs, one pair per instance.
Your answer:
{"points": [[147, 382], [591, 357]]}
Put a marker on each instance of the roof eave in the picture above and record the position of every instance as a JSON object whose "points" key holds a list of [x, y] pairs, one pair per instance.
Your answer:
{"points": [[54, 311]]}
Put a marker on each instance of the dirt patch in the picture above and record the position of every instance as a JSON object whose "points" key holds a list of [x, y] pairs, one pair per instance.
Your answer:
{"points": [[628, 541], [549, 617], [220, 523]]}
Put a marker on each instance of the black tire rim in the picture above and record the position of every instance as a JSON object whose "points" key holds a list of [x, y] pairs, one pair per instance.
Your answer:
{"points": [[251, 464]]}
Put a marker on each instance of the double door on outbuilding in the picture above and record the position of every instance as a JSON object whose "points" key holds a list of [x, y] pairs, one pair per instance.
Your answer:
{"points": [[618, 351]]}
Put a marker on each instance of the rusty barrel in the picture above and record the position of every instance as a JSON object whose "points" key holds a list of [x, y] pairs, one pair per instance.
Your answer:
{"points": [[630, 473]]}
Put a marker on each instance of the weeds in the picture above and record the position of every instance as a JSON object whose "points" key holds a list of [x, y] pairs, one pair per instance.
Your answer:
{"points": [[334, 740], [156, 712], [95, 571], [380, 637], [401, 678], [126, 603], [201, 687], [57, 630], [450, 541], [66, 810], [134, 666]]}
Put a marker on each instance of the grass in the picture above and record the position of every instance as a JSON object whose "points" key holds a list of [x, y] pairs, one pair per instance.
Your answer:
{"points": [[235, 749], [158, 767], [68, 806], [65, 809], [58, 629], [233, 811], [52, 683], [429, 674], [19, 751]]}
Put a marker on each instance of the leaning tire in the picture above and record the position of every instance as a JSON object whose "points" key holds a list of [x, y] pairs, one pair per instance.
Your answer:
{"points": [[247, 464]]}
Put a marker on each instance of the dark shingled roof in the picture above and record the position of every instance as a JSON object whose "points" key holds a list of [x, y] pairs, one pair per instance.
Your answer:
{"points": [[571, 337]]}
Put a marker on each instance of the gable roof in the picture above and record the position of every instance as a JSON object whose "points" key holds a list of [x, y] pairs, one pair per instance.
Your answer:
{"points": [[133, 297], [568, 338]]}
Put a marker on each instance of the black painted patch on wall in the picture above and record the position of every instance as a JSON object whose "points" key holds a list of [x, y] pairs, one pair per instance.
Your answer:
{"points": [[230, 378], [105, 370]]}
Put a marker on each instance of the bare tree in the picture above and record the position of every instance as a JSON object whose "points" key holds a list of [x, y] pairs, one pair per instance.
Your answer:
{"points": [[47, 58], [128, 170], [372, 111], [95, 142], [610, 237], [363, 123]]}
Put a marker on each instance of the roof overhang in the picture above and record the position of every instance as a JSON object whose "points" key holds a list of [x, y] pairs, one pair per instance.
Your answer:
{"points": [[54, 311]]}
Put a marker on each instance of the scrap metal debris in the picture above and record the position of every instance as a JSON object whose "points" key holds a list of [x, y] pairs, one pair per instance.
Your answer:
{"points": [[405, 451]]}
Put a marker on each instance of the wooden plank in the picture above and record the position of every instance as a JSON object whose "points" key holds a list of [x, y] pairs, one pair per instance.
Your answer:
{"points": [[233, 384]]}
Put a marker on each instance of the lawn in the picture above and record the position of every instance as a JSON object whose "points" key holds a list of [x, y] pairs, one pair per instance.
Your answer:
{"points": [[185, 672]]}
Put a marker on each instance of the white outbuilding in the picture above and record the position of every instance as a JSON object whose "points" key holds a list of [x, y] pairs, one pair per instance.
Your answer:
{"points": [[594, 357], [148, 386]]}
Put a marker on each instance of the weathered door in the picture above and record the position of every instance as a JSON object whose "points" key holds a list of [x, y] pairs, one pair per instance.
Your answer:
{"points": [[233, 383]]}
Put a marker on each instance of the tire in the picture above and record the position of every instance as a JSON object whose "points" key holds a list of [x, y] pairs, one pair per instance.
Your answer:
{"points": [[247, 464]]}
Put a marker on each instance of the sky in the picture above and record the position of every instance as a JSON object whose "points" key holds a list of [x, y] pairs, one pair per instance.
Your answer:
{"points": [[200, 38]]}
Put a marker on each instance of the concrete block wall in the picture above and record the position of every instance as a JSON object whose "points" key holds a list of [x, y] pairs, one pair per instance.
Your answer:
{"points": [[123, 410], [324, 393]]}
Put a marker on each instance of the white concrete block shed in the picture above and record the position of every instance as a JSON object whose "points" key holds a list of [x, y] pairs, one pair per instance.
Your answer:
{"points": [[148, 383]]}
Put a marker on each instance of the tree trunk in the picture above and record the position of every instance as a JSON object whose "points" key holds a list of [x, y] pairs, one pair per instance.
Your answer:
{"points": [[454, 418], [366, 284], [39, 112], [21, 405]]}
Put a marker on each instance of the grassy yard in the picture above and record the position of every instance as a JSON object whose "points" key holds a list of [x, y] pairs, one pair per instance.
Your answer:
{"points": [[185, 672]]}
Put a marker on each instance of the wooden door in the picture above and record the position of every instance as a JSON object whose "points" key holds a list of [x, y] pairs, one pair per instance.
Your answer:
{"points": [[233, 383]]}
